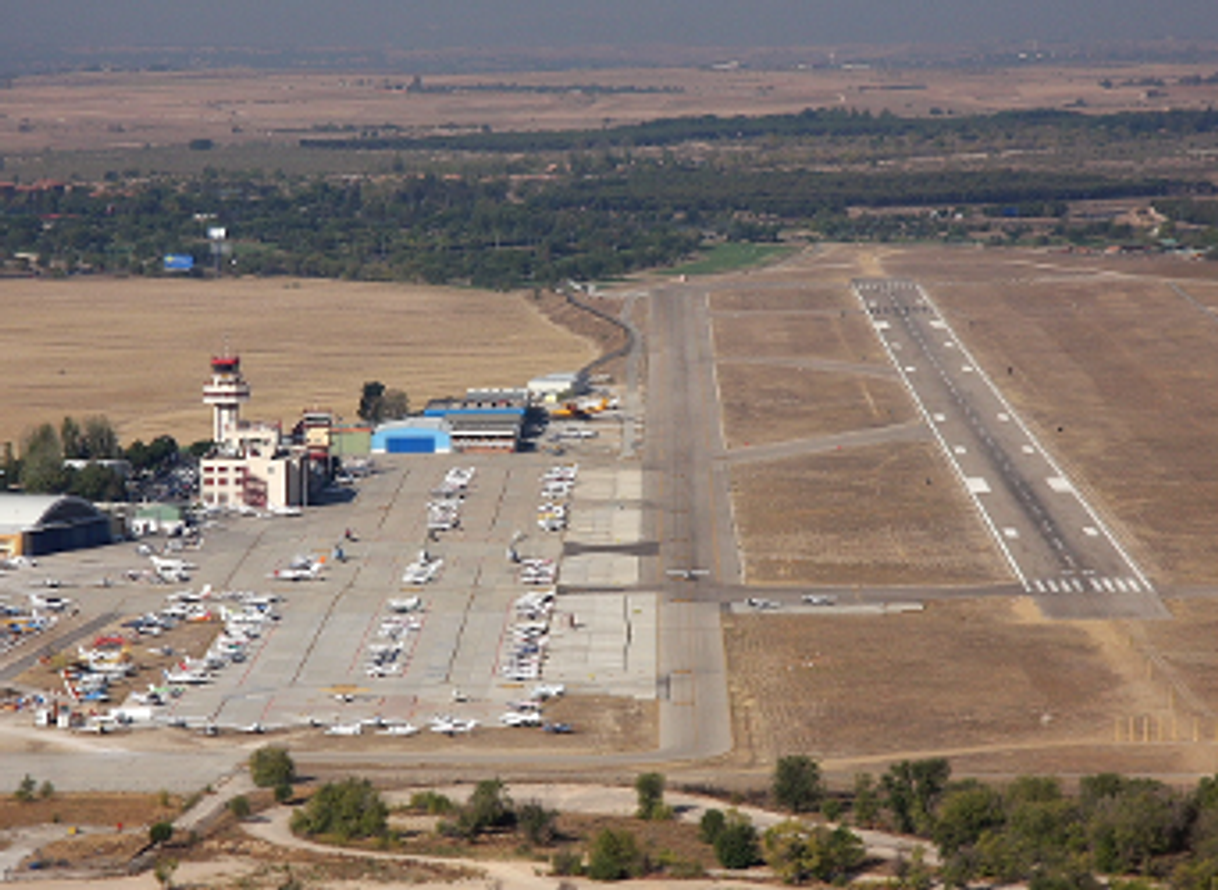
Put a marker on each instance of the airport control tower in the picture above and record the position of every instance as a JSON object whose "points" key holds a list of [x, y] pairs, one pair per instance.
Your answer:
{"points": [[225, 393]]}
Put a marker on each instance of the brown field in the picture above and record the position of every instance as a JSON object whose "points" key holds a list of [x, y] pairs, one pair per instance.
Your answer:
{"points": [[883, 514], [765, 403], [133, 110], [138, 350], [781, 334], [984, 681], [131, 810]]}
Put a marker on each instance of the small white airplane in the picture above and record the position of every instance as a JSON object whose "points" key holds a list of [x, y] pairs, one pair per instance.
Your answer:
{"points": [[399, 729], [543, 691], [285, 511], [345, 729], [50, 603], [406, 604], [764, 604], [687, 574], [450, 726], [187, 676], [312, 572]]}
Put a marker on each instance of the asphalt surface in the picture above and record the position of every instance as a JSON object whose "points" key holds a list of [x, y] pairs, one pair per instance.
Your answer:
{"points": [[1055, 543]]}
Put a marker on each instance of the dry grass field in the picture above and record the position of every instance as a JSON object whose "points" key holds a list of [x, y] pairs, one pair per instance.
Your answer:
{"points": [[138, 350], [131, 110], [762, 404], [986, 682], [885, 514]]}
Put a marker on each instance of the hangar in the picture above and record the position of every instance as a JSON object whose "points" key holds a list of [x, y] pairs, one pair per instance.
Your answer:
{"points": [[417, 435], [36, 524]]}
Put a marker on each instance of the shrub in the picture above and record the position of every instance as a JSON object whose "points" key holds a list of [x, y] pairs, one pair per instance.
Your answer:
{"points": [[710, 825], [271, 766], [736, 844], [239, 806], [650, 789], [537, 823], [797, 784], [46, 790], [25, 789], [283, 793], [160, 832], [432, 803], [615, 856], [567, 863], [346, 810]]}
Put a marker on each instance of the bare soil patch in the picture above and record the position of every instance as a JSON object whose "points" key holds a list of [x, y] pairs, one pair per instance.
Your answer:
{"points": [[604, 335], [138, 350], [884, 514], [963, 674], [765, 403], [1112, 370], [821, 297], [131, 810]]}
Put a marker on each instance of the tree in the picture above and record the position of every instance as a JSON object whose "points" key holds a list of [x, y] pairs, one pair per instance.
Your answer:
{"points": [[965, 815], [797, 853], [537, 823], [488, 807], [736, 844], [650, 790], [866, 806], [46, 790], [615, 856], [911, 790], [797, 783], [160, 832], [163, 872], [346, 810], [42, 467], [369, 401], [272, 766], [710, 825], [25, 789]]}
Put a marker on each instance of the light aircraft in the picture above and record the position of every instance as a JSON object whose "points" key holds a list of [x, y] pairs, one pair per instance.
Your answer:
{"points": [[312, 572], [345, 729], [402, 729], [759, 603], [818, 599], [407, 604], [186, 676], [543, 691], [50, 603], [285, 511], [688, 574], [450, 726]]}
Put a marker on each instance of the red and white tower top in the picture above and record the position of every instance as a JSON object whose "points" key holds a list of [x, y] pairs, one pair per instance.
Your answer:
{"points": [[225, 392]]}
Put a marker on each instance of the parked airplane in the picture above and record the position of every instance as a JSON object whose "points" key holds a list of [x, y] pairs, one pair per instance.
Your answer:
{"points": [[450, 726], [186, 676], [688, 574], [345, 729]]}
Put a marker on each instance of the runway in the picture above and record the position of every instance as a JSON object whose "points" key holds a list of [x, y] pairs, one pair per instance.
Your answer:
{"points": [[1056, 544]]}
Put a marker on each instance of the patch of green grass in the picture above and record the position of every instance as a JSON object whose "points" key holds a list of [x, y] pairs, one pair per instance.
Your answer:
{"points": [[732, 255]]}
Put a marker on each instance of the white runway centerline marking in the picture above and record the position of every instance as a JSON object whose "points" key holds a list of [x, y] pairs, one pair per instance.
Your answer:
{"points": [[977, 485], [1060, 484]]}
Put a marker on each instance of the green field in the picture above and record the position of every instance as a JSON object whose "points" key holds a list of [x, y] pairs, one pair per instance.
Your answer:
{"points": [[733, 255]]}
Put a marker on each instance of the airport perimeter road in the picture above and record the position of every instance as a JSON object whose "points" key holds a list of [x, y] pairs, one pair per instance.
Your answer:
{"points": [[1054, 542], [692, 522]]}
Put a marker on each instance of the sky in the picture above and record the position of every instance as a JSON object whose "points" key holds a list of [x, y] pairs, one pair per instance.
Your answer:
{"points": [[514, 24]]}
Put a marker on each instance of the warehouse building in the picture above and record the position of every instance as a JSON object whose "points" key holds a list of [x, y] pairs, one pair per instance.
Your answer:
{"points": [[37, 524]]}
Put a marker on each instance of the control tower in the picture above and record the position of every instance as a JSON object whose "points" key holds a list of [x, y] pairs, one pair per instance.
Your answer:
{"points": [[225, 393]]}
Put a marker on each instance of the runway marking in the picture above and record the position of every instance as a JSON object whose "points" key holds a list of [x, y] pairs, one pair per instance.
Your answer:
{"points": [[1107, 582], [977, 484], [909, 369], [1060, 484], [1003, 417], [1011, 532], [1121, 585], [1028, 449], [1134, 586], [881, 325], [1052, 585], [960, 449], [940, 418], [1091, 531], [967, 369], [938, 323]]}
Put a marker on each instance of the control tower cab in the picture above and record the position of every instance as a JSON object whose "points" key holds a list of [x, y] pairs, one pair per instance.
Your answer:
{"points": [[225, 393]]}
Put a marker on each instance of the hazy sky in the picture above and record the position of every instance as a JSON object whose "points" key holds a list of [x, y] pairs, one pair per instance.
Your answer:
{"points": [[420, 24]]}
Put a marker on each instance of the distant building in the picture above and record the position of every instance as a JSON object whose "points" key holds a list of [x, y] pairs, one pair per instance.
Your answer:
{"points": [[415, 435], [551, 388]]}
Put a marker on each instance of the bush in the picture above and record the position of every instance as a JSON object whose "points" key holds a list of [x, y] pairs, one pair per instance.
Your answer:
{"points": [[615, 856], [736, 844], [46, 790], [346, 810], [797, 784], [650, 789], [272, 766], [239, 806], [710, 825], [537, 823], [567, 863], [25, 789], [160, 832], [283, 793], [432, 803]]}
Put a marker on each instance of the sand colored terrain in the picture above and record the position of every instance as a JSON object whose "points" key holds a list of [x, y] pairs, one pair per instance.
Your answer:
{"points": [[985, 682], [137, 350], [882, 514], [131, 110]]}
